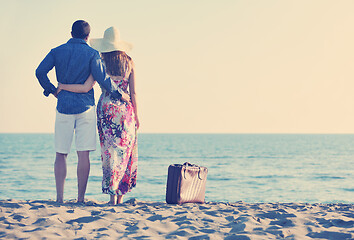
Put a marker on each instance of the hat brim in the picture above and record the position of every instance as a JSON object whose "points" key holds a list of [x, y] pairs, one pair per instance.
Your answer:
{"points": [[101, 45]]}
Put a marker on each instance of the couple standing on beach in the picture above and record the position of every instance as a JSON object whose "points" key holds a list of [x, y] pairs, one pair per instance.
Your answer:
{"points": [[78, 66]]}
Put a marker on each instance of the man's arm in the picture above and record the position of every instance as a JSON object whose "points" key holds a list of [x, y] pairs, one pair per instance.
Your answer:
{"points": [[99, 74], [41, 73], [78, 88]]}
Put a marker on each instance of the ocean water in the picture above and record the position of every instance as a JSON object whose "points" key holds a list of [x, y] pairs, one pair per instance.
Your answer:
{"points": [[242, 167]]}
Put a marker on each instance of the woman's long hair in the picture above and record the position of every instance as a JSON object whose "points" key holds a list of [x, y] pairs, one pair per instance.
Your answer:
{"points": [[117, 63]]}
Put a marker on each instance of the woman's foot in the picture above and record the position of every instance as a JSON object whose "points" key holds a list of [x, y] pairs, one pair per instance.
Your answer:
{"points": [[120, 199]]}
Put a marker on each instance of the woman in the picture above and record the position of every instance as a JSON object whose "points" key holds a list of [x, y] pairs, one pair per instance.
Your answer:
{"points": [[117, 120]]}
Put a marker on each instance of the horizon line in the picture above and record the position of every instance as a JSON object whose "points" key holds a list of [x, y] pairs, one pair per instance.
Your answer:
{"points": [[240, 133]]}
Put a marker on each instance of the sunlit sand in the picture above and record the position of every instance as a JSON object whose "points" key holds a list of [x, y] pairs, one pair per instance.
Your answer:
{"points": [[156, 220]]}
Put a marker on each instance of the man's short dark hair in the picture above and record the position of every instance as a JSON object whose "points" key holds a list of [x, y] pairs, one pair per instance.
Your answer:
{"points": [[80, 29]]}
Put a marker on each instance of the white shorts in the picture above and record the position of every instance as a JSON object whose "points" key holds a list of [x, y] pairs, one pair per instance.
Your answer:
{"points": [[84, 125]]}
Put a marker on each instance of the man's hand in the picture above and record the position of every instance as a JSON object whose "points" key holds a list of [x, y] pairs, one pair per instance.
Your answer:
{"points": [[125, 97], [58, 91]]}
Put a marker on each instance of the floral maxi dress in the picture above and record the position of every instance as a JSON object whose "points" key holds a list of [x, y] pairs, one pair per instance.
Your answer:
{"points": [[118, 139]]}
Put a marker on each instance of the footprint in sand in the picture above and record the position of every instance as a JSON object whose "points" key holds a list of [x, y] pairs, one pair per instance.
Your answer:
{"points": [[181, 233], [236, 228], [156, 218], [10, 205], [283, 222], [335, 223], [84, 220], [37, 207], [42, 222], [330, 235], [17, 217], [201, 237], [33, 230], [237, 237], [277, 214]]}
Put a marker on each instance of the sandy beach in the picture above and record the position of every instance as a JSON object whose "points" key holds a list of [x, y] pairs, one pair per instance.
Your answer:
{"points": [[156, 220]]}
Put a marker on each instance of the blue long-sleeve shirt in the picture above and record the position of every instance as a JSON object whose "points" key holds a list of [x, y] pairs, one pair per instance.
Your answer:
{"points": [[74, 61]]}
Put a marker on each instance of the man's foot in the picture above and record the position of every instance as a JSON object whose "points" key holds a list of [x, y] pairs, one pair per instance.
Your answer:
{"points": [[113, 200], [81, 203], [111, 203], [80, 200]]}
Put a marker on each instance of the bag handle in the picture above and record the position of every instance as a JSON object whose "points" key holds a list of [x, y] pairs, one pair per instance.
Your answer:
{"points": [[188, 164]]}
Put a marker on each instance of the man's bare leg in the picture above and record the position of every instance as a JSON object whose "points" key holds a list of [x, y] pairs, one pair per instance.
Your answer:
{"points": [[60, 175], [113, 200], [83, 170]]}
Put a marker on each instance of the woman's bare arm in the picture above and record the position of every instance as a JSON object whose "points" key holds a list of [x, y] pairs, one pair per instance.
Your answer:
{"points": [[78, 88], [133, 95]]}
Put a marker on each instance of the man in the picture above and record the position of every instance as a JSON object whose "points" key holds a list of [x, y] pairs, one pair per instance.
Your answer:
{"points": [[74, 61]]}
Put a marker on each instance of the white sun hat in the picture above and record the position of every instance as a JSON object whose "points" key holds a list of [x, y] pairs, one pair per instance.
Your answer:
{"points": [[110, 42]]}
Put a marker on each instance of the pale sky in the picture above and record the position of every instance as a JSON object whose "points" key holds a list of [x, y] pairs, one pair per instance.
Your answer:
{"points": [[266, 66]]}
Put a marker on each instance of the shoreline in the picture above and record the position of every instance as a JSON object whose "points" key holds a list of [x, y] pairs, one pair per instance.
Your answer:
{"points": [[134, 219]]}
